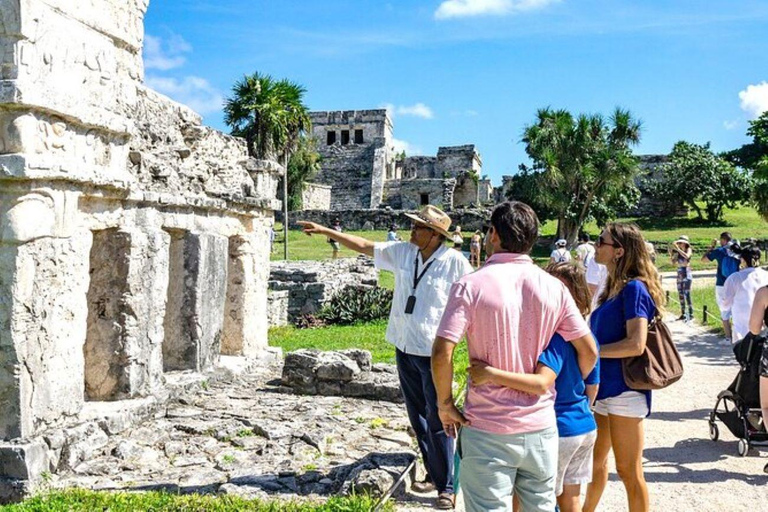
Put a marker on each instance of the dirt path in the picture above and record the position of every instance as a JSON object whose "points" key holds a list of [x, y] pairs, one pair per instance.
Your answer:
{"points": [[685, 470]]}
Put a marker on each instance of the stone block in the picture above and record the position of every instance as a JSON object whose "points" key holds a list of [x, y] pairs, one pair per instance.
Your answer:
{"points": [[23, 461]]}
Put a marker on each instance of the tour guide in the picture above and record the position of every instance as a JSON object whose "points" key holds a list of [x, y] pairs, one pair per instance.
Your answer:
{"points": [[424, 269]]}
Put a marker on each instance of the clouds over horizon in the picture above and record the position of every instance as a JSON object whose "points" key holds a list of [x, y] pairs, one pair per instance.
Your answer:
{"points": [[419, 110], [754, 99], [472, 8], [169, 53]]}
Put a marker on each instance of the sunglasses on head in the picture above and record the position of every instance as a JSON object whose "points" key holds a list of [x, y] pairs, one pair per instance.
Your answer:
{"points": [[601, 241]]}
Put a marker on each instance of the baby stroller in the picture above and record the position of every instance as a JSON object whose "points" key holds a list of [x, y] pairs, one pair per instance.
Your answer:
{"points": [[738, 407]]}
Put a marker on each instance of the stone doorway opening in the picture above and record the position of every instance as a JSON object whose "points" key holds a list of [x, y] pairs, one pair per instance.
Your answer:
{"points": [[103, 351], [236, 314]]}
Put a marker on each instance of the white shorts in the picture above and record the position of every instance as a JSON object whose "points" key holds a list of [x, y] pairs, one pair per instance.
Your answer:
{"points": [[630, 404], [719, 298], [574, 460]]}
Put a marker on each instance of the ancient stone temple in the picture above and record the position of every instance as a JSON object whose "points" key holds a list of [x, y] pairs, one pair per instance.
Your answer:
{"points": [[361, 167], [133, 239]]}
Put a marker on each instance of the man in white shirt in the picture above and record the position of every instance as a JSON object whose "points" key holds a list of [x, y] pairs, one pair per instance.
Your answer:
{"points": [[585, 251], [425, 268], [561, 254]]}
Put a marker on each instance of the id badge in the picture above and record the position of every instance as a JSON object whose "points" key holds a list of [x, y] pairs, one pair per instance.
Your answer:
{"points": [[410, 304]]}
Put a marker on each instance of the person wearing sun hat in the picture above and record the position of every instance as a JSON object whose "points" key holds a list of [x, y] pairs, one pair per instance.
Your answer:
{"points": [[561, 254], [425, 268], [681, 252]]}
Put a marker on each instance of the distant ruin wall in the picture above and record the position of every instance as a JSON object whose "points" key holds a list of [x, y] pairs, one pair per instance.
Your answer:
{"points": [[316, 197]]}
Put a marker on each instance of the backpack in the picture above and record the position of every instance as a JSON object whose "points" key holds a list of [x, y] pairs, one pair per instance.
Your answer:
{"points": [[659, 365], [561, 255]]}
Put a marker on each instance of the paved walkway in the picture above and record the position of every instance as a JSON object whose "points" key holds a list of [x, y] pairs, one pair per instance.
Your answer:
{"points": [[685, 470]]}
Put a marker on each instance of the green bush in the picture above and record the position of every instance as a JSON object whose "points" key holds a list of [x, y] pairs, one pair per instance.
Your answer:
{"points": [[357, 304]]}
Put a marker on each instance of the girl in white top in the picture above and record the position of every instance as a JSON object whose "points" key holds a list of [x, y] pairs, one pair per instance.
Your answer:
{"points": [[740, 289]]}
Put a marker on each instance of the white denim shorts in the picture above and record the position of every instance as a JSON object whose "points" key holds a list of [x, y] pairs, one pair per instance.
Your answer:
{"points": [[630, 404], [720, 298], [574, 460]]}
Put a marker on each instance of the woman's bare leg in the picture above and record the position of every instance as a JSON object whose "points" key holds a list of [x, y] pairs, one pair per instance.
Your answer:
{"points": [[627, 437], [570, 500], [599, 464]]}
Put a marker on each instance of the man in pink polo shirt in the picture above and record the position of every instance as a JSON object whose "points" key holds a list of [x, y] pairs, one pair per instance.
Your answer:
{"points": [[509, 310]]}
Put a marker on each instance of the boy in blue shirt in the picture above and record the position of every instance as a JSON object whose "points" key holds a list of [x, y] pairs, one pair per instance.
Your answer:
{"points": [[727, 264], [558, 365]]}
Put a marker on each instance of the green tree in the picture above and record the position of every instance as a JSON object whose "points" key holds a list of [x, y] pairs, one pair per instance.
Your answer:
{"points": [[269, 114], [303, 165], [583, 166], [704, 181], [754, 157]]}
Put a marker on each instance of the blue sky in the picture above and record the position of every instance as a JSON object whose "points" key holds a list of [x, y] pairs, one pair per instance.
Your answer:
{"points": [[475, 71]]}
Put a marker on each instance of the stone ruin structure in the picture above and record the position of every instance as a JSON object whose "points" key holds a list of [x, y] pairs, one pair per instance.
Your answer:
{"points": [[133, 239], [360, 164]]}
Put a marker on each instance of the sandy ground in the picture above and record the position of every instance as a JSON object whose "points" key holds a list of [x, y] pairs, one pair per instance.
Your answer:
{"points": [[685, 470]]}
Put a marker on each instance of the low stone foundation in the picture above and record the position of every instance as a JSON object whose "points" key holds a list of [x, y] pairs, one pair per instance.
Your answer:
{"points": [[345, 373], [470, 219], [310, 284]]}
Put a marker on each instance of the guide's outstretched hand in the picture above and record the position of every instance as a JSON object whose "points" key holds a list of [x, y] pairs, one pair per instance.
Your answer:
{"points": [[311, 228]]}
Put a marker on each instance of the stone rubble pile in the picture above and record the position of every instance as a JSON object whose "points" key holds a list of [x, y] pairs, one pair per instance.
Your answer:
{"points": [[345, 373]]}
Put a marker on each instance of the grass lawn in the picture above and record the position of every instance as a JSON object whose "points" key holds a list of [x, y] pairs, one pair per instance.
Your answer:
{"points": [[741, 222], [76, 500], [701, 297], [367, 336]]}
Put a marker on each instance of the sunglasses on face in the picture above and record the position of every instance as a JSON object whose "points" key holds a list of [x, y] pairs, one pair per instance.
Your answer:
{"points": [[601, 241]]}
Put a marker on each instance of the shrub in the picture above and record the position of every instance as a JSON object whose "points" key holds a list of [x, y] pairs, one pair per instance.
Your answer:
{"points": [[357, 304]]}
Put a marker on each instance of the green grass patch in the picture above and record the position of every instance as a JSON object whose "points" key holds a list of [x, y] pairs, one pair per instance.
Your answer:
{"points": [[77, 500], [366, 336], [701, 297]]}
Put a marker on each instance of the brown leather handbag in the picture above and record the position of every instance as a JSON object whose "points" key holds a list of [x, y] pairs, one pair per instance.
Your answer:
{"points": [[659, 365]]}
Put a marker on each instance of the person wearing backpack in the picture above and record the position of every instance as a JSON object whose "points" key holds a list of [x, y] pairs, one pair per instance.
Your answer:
{"points": [[630, 299], [560, 254]]}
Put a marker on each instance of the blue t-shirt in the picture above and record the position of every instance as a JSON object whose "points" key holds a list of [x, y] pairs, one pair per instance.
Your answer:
{"points": [[609, 324], [571, 403], [726, 264]]}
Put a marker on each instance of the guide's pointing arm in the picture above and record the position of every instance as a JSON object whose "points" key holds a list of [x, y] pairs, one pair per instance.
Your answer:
{"points": [[356, 243]]}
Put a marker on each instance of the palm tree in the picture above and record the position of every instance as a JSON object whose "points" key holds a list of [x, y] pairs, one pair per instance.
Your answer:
{"points": [[585, 162], [271, 116]]}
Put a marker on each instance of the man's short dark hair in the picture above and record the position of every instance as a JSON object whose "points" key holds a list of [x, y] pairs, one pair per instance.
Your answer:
{"points": [[726, 235], [584, 237], [517, 226]]}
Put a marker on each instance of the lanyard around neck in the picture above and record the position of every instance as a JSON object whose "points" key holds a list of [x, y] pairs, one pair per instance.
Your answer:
{"points": [[416, 276]]}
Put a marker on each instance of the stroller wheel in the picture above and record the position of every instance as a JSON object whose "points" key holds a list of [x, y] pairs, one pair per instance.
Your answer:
{"points": [[742, 447], [714, 432]]}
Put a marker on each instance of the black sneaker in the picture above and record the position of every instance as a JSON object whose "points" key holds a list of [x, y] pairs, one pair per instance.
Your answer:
{"points": [[682, 317]]}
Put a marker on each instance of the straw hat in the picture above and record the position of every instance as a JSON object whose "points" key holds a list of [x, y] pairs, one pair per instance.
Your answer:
{"points": [[683, 239], [434, 218]]}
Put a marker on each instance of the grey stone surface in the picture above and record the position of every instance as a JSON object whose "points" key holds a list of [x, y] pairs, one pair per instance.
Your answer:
{"points": [[347, 373], [310, 284]]}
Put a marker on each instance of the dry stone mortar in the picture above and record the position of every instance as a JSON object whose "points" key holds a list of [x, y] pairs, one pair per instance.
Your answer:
{"points": [[133, 239]]}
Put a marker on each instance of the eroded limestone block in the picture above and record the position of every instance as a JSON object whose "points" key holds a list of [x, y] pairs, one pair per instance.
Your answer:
{"points": [[36, 212]]}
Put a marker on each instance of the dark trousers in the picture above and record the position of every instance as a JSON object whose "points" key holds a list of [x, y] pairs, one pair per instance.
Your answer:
{"points": [[421, 403]]}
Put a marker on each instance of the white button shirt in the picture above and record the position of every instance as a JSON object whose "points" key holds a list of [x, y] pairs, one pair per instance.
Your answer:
{"points": [[414, 333]]}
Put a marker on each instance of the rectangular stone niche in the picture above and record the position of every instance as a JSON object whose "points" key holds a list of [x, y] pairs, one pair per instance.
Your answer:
{"points": [[197, 286], [105, 358]]}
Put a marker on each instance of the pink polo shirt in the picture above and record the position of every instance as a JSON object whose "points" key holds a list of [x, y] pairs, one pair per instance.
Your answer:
{"points": [[509, 310]]}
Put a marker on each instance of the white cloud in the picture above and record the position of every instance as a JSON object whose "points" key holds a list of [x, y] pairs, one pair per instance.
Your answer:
{"points": [[402, 145], [195, 92], [417, 110], [165, 54], [467, 8], [730, 125], [754, 99]]}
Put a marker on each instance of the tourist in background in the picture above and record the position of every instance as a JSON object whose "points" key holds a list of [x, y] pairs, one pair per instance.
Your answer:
{"points": [[651, 251], [271, 239], [392, 235], [424, 268], [509, 309], [741, 288], [475, 248], [457, 238], [334, 244], [585, 251], [574, 395], [727, 264], [758, 319], [561, 254], [680, 252], [630, 299]]}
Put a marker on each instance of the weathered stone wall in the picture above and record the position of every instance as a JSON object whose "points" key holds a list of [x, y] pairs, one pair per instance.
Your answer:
{"points": [[649, 206], [312, 283], [98, 176], [422, 167], [466, 192], [414, 191], [455, 160], [356, 171], [485, 192], [316, 197]]}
